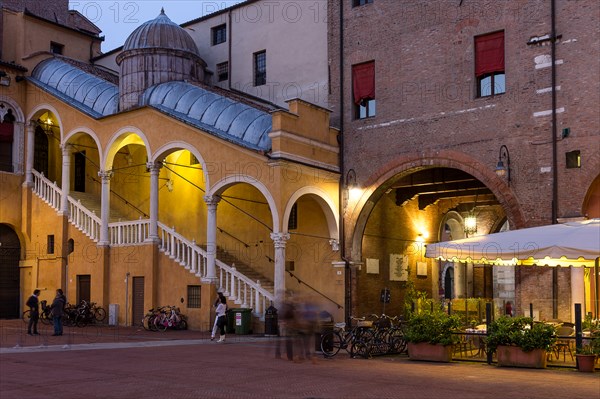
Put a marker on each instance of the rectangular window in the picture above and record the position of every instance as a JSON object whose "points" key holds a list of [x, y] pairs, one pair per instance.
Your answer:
{"points": [[489, 64], [56, 48], [219, 34], [260, 68], [193, 296], [223, 71], [363, 89], [50, 242], [356, 3], [573, 159]]}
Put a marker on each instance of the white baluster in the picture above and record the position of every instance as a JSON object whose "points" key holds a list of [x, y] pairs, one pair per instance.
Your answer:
{"points": [[232, 286]]}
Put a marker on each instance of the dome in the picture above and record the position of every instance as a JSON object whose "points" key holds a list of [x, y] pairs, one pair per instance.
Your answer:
{"points": [[162, 33]]}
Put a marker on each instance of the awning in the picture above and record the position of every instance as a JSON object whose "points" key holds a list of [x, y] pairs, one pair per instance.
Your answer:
{"points": [[568, 244]]}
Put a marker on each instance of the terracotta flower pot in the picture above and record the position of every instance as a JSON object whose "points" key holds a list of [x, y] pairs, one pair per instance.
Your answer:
{"points": [[430, 352], [586, 363], [514, 356]]}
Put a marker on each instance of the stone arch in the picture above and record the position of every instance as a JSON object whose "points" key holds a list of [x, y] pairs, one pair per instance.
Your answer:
{"points": [[326, 204], [591, 202], [380, 181], [231, 180], [20, 117], [82, 130], [122, 137], [182, 145], [40, 108]]}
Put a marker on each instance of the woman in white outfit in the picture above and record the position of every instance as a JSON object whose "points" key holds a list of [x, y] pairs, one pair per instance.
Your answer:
{"points": [[220, 299], [221, 319]]}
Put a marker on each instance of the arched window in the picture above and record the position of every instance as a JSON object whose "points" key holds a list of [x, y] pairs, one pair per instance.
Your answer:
{"points": [[7, 131]]}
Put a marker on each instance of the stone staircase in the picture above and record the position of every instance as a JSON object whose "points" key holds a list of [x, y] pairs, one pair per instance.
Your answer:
{"points": [[92, 202], [245, 269]]}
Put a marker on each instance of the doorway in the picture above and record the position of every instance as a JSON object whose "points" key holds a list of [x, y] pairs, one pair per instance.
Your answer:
{"points": [[79, 182], [84, 284], [10, 279], [137, 306]]}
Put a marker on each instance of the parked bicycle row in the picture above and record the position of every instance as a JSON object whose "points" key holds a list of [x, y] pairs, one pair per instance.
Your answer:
{"points": [[375, 335], [164, 317], [73, 315]]}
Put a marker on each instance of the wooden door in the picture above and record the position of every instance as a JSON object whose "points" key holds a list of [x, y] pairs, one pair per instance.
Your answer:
{"points": [[137, 306]]}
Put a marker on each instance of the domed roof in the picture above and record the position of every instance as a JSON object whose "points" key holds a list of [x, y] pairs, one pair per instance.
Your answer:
{"points": [[163, 33]]}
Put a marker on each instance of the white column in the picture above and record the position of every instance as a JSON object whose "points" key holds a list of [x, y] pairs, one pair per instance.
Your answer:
{"points": [[66, 179], [578, 290], [211, 236], [30, 153], [104, 206], [279, 241], [154, 168]]}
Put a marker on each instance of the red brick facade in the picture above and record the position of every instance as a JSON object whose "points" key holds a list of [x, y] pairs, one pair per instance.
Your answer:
{"points": [[429, 115]]}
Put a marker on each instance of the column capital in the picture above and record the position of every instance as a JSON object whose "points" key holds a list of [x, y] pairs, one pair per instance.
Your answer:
{"points": [[66, 148], [105, 175], [280, 239], [335, 244], [154, 167], [212, 200]]}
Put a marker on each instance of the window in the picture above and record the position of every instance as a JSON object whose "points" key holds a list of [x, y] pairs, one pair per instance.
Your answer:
{"points": [[489, 64], [293, 220], [223, 71], [7, 128], [356, 3], [193, 296], [260, 68], [219, 34], [56, 48], [363, 88], [573, 159], [50, 249]]}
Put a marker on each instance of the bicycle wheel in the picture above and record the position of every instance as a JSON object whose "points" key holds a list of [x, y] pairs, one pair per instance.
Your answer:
{"points": [[331, 342], [360, 349], [100, 314], [161, 323], [182, 325], [26, 316], [397, 341]]}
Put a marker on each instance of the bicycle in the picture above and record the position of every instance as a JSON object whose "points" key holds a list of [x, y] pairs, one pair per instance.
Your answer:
{"points": [[355, 341]]}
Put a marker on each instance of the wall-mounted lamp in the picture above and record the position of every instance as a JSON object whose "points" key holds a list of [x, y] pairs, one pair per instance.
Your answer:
{"points": [[47, 125], [501, 168]]}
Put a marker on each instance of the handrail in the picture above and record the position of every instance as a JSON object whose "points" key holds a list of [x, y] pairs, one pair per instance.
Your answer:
{"points": [[47, 190], [315, 290], [232, 236]]}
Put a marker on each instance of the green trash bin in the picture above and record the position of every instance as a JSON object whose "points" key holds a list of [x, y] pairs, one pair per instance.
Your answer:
{"points": [[242, 320], [230, 328]]}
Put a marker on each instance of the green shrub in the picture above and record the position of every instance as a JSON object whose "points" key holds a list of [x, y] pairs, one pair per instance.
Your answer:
{"points": [[435, 327], [521, 332]]}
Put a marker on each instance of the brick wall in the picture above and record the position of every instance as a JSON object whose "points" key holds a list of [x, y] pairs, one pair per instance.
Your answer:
{"points": [[427, 106]]}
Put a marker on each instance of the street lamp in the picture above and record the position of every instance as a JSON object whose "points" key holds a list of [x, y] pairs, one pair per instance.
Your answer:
{"points": [[470, 224], [501, 169]]}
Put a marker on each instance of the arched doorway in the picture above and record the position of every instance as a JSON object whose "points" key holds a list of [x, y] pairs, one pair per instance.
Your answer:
{"points": [[10, 254]]}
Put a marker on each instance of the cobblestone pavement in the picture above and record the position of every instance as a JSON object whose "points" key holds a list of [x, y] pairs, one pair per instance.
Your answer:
{"points": [[105, 362]]}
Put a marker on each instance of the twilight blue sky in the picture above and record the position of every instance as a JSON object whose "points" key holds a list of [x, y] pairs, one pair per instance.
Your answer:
{"points": [[118, 18]]}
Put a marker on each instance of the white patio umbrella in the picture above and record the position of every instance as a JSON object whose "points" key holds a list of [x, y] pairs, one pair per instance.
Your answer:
{"points": [[568, 244]]}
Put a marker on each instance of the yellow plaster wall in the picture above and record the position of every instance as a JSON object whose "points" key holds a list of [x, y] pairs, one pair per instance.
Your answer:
{"points": [[23, 49]]}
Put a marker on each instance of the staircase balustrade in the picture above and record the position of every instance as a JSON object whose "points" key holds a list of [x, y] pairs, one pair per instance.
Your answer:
{"points": [[235, 285]]}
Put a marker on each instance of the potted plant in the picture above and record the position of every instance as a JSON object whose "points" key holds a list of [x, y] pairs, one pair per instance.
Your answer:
{"points": [[587, 354], [430, 335], [519, 342]]}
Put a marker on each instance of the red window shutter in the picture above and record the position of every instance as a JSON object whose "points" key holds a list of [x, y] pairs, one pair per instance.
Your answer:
{"points": [[6, 132], [489, 53], [363, 82]]}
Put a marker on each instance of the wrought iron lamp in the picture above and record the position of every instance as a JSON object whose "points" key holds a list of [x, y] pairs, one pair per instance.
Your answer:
{"points": [[501, 168]]}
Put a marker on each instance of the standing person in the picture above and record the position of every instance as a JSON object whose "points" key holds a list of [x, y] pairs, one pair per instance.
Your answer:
{"points": [[58, 306], [34, 312], [220, 298], [222, 318]]}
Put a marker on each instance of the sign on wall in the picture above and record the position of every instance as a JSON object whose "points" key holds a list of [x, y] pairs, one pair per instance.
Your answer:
{"points": [[372, 266], [398, 267]]}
